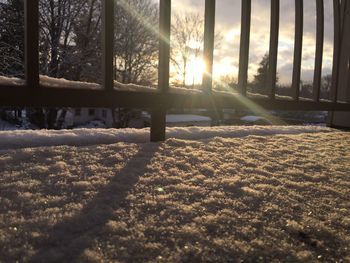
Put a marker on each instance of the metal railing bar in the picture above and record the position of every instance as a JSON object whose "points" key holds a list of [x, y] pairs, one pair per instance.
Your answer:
{"points": [[244, 46], [348, 87], [209, 38], [164, 45], [107, 44], [344, 76], [158, 120], [319, 49], [336, 50], [31, 43], [298, 46], [61, 97], [273, 49]]}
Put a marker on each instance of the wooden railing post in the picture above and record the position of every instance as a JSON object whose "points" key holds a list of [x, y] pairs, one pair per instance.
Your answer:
{"points": [[208, 56], [273, 50], [343, 75], [31, 43], [298, 47], [244, 46], [336, 50], [158, 119], [107, 44], [209, 38], [319, 49]]}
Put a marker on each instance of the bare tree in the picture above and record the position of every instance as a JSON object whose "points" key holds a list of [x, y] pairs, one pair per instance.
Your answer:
{"points": [[69, 36], [57, 19], [12, 38], [136, 41], [85, 59], [187, 42]]}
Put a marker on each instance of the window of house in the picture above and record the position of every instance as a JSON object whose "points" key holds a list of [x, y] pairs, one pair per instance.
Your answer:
{"points": [[78, 112], [91, 112], [104, 113]]}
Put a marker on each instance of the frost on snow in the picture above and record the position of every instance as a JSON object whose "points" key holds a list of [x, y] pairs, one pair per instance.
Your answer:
{"points": [[258, 198]]}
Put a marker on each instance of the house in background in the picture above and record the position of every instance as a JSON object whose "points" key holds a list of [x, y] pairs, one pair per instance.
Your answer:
{"points": [[89, 117], [102, 118]]}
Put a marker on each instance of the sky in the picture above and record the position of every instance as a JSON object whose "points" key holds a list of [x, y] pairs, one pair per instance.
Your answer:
{"points": [[228, 16]]}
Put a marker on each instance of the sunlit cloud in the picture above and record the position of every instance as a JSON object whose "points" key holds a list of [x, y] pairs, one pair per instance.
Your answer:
{"points": [[228, 16]]}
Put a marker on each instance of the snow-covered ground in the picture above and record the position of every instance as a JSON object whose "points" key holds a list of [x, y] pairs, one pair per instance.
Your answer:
{"points": [[260, 194], [84, 137]]}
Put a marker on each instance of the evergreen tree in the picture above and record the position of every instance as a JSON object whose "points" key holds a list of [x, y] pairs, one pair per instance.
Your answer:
{"points": [[259, 84]]}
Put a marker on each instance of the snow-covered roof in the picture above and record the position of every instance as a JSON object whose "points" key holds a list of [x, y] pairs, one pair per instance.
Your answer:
{"points": [[175, 118], [252, 118]]}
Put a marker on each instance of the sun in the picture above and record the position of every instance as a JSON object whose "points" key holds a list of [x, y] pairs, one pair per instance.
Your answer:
{"points": [[195, 70]]}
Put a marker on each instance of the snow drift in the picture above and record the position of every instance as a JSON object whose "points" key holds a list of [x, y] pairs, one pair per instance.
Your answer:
{"points": [[81, 137], [265, 197]]}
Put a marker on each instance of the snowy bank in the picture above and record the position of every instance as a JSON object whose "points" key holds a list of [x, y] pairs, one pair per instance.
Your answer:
{"points": [[83, 137], [282, 198]]}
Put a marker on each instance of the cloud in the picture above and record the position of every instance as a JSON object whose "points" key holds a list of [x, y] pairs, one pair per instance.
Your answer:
{"points": [[228, 18]]}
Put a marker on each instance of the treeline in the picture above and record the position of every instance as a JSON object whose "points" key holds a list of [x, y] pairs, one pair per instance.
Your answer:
{"points": [[259, 83], [70, 44], [70, 39]]}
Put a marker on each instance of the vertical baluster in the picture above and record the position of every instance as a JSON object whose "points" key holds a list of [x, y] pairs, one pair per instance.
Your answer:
{"points": [[336, 50], [158, 125], [209, 35], [107, 44], [244, 46], [298, 45], [31, 60], [273, 50], [319, 49], [343, 76]]}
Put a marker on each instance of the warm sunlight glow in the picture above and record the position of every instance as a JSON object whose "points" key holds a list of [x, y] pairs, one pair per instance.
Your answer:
{"points": [[195, 70], [233, 34]]}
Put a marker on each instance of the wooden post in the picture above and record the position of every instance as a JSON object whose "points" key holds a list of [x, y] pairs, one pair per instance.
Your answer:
{"points": [[319, 50], [107, 44], [343, 69], [208, 56], [273, 50], [31, 43], [338, 10], [209, 38], [298, 46], [336, 50], [244, 46], [158, 119]]}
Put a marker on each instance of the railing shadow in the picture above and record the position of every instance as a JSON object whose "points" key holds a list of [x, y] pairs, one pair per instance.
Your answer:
{"points": [[66, 241]]}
